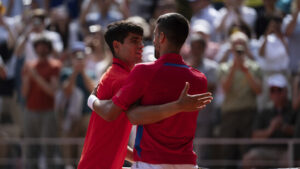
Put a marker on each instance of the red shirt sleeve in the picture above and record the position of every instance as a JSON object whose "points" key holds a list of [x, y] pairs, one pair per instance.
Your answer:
{"points": [[133, 89]]}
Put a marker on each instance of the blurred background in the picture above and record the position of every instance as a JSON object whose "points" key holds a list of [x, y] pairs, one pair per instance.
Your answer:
{"points": [[249, 51]]}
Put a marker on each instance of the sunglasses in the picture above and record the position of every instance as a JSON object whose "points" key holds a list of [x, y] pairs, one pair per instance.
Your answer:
{"points": [[276, 90]]}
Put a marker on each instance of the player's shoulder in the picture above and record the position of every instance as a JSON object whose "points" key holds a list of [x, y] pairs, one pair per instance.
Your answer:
{"points": [[114, 73], [197, 73], [144, 67]]}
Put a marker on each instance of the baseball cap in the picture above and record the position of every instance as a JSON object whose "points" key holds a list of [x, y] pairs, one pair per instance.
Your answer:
{"points": [[201, 25], [277, 80]]}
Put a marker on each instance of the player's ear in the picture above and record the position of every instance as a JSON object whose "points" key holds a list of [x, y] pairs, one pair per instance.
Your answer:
{"points": [[116, 46], [162, 37]]}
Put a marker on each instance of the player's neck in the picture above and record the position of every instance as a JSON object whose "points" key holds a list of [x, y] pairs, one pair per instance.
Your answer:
{"points": [[169, 49]]}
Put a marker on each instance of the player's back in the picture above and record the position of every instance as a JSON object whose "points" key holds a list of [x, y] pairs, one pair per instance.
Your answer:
{"points": [[169, 141]]}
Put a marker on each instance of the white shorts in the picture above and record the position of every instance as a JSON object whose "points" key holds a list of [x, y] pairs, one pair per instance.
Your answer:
{"points": [[143, 165]]}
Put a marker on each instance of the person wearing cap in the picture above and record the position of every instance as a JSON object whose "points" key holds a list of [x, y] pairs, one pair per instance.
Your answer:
{"points": [[207, 117], [203, 28], [240, 79], [275, 122], [39, 84], [77, 83]]}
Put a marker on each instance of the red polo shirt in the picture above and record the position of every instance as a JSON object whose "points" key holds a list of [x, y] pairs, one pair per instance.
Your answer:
{"points": [[169, 141], [105, 143]]}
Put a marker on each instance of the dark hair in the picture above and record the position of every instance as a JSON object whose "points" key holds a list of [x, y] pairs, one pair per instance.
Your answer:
{"points": [[119, 30], [243, 27], [175, 27], [42, 40]]}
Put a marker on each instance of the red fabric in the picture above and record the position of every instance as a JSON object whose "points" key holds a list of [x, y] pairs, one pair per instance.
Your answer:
{"points": [[38, 99], [105, 143], [169, 141]]}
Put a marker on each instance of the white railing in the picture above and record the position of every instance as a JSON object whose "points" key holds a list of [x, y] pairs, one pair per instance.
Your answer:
{"points": [[23, 142]]}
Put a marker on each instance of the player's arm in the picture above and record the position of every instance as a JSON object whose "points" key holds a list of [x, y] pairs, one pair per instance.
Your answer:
{"points": [[150, 114], [104, 108], [141, 115]]}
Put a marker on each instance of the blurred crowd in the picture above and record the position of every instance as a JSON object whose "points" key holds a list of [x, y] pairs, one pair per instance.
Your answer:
{"points": [[53, 54]]}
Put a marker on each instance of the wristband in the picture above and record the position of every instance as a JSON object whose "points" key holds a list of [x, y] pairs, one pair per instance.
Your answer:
{"points": [[91, 101]]}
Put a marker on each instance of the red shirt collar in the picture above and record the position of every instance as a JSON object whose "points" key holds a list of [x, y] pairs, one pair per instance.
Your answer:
{"points": [[171, 57], [120, 63]]}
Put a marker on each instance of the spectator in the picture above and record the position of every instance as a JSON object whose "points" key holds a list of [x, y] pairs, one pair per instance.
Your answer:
{"points": [[235, 13], [102, 14], [291, 24], [274, 50], [13, 7], [207, 117], [144, 9], [225, 53], [35, 28], [9, 117], [203, 28], [60, 23], [40, 82], [263, 17], [273, 55], [77, 83], [203, 10], [98, 58], [240, 80], [275, 122], [164, 6]]}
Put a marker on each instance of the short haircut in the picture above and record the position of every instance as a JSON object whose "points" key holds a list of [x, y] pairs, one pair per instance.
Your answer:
{"points": [[175, 27], [119, 30], [42, 40]]}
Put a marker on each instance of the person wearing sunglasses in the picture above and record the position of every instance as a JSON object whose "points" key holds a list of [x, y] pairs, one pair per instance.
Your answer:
{"points": [[275, 122]]}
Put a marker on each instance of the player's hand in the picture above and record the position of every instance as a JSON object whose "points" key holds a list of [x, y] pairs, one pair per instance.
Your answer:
{"points": [[188, 103]]}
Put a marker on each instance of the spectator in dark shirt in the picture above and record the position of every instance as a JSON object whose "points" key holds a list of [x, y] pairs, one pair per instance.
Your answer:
{"points": [[277, 122]]}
